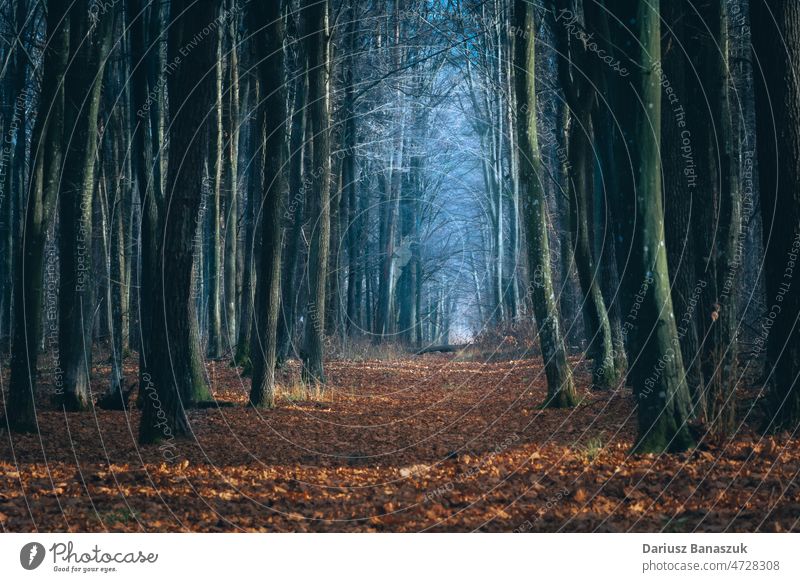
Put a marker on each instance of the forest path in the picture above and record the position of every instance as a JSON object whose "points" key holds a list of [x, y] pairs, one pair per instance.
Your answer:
{"points": [[413, 444]]}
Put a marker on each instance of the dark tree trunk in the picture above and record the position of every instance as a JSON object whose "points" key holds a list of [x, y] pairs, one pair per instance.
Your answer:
{"points": [[349, 186], [596, 321], [776, 42], [316, 14], [560, 387], [298, 187], [267, 20], [232, 185], [47, 154], [83, 82], [170, 380], [217, 164], [680, 203], [580, 96], [717, 223], [660, 384], [254, 140], [567, 303], [618, 170], [146, 27], [112, 241], [13, 161]]}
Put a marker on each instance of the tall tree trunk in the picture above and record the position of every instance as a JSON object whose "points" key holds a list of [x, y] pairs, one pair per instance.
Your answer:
{"points": [[389, 208], [386, 253], [126, 206], [606, 192], [47, 154], [217, 162], [717, 222], [13, 160], [170, 380], [408, 259], [114, 240], [334, 283], [254, 140], [118, 279], [299, 187], [580, 96], [776, 39], [513, 167], [90, 44], [660, 386], [268, 22], [680, 203], [146, 27], [617, 94], [232, 210], [560, 387], [566, 295], [352, 319], [316, 14], [596, 320]]}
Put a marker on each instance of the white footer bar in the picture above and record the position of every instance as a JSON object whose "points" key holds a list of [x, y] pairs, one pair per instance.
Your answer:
{"points": [[378, 557]]}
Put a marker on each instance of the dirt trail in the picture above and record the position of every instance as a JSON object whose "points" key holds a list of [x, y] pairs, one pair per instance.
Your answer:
{"points": [[428, 443]]}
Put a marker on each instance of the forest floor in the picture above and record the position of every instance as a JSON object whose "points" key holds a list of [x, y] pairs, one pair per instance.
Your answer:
{"points": [[428, 443]]}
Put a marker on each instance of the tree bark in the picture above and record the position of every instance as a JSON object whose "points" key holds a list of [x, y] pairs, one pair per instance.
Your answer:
{"points": [[246, 310], [114, 254], [268, 23], [170, 380], [146, 26], [232, 209], [316, 14], [717, 224], [680, 204], [90, 45], [217, 163], [47, 154], [776, 42], [350, 193], [660, 384], [580, 96], [560, 388]]}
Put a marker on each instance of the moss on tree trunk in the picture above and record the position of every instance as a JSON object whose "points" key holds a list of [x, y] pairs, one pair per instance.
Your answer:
{"points": [[560, 387]]}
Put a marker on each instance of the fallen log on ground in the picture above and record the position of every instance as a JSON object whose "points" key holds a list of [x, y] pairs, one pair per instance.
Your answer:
{"points": [[446, 349]]}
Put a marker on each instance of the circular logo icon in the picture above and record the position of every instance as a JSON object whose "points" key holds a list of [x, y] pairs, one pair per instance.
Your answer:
{"points": [[31, 555]]}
